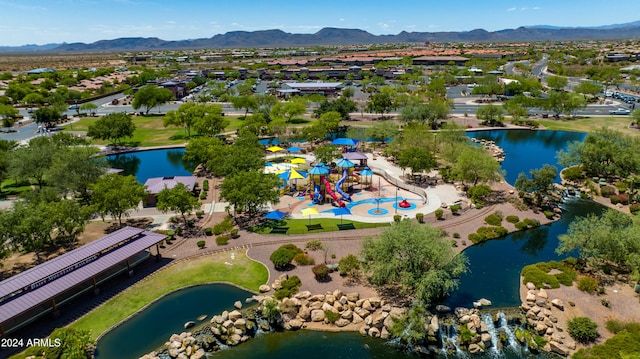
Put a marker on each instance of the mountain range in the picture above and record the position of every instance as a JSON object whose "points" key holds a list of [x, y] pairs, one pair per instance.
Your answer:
{"points": [[338, 36]]}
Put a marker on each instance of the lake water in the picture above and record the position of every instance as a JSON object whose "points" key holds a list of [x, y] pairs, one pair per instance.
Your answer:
{"points": [[149, 329], [152, 163]]}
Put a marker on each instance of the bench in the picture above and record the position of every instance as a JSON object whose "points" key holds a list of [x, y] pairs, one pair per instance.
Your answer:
{"points": [[279, 230], [346, 226], [314, 227]]}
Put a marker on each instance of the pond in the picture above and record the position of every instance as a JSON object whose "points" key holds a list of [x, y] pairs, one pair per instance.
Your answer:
{"points": [[153, 326], [152, 163]]}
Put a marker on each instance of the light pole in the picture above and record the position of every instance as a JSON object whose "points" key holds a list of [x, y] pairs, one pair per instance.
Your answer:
{"points": [[396, 206]]}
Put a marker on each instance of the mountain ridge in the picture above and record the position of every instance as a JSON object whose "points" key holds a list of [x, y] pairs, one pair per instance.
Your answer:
{"points": [[341, 36]]}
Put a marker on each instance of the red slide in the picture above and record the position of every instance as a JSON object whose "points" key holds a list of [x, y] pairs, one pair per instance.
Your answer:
{"points": [[327, 186]]}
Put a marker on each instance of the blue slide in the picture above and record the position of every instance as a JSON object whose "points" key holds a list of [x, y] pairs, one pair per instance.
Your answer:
{"points": [[317, 197], [345, 173]]}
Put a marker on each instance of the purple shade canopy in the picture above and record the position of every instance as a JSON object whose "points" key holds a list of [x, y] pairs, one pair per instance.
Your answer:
{"points": [[126, 242], [156, 184], [354, 156]]}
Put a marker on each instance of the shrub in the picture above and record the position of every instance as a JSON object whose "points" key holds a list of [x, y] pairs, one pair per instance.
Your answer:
{"points": [[634, 208], [456, 235], [314, 245], [616, 326], [397, 218], [531, 223], [455, 209], [217, 230], [622, 186], [476, 238], [203, 195], [222, 240], [582, 329], [208, 231], [199, 213], [548, 214], [234, 233], [282, 257], [348, 265], [200, 244], [304, 259], [321, 272], [331, 316], [493, 219], [289, 287], [623, 345], [521, 225], [223, 226], [619, 198], [420, 217], [607, 191], [493, 232], [205, 185], [588, 284], [572, 173], [439, 213], [479, 192], [538, 274], [513, 219]]}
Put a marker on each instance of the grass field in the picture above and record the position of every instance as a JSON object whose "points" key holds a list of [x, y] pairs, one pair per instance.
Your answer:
{"points": [[244, 272], [299, 226], [590, 124]]}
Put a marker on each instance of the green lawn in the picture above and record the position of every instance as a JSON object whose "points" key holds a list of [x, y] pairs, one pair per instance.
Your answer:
{"points": [[10, 187], [299, 226], [245, 272], [590, 124]]}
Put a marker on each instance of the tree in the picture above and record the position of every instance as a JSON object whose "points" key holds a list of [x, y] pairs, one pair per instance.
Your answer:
{"points": [[150, 96], [9, 115], [114, 126], [417, 158], [32, 161], [211, 121], [250, 190], [343, 105], [245, 154], [89, 107], [326, 153], [116, 195], [540, 183], [282, 257], [185, 116], [48, 116], [177, 199], [425, 113], [288, 110], [490, 114], [588, 88], [608, 238], [380, 103], [416, 259], [382, 131], [557, 83], [328, 123], [246, 102], [74, 169], [476, 165], [200, 149]]}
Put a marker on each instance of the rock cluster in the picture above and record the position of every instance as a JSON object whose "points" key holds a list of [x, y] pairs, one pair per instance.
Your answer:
{"points": [[180, 346], [540, 318]]}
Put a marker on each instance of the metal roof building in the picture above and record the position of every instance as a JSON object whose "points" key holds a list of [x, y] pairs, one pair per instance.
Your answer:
{"points": [[40, 290]]}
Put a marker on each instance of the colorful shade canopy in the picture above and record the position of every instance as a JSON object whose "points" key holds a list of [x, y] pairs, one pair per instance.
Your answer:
{"points": [[345, 141], [298, 160], [345, 163], [277, 215], [275, 149]]}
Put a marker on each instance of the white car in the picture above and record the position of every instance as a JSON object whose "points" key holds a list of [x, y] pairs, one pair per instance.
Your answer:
{"points": [[620, 111]]}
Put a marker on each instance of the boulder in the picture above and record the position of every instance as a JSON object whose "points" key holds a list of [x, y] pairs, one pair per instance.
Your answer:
{"points": [[367, 305], [303, 295], [315, 305], [339, 307], [442, 309], [342, 322], [353, 297], [317, 298], [240, 323], [199, 354], [558, 348], [295, 324], [356, 319], [465, 319], [374, 332], [485, 339], [215, 331], [189, 324], [235, 315], [384, 333], [363, 313], [541, 328], [343, 300], [304, 312], [475, 349], [330, 299], [531, 297], [264, 288], [543, 293], [224, 315], [531, 286], [347, 314], [234, 339], [377, 319], [558, 303], [237, 304], [363, 330], [317, 315], [276, 285], [375, 302], [337, 294], [227, 324], [328, 307]]}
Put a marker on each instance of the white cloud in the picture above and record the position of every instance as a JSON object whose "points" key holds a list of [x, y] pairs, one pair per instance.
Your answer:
{"points": [[340, 19], [511, 9], [171, 22], [433, 26], [536, 8], [523, 9], [384, 25]]}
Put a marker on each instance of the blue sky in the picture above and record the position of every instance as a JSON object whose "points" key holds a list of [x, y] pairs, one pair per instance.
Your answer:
{"points": [[55, 21]]}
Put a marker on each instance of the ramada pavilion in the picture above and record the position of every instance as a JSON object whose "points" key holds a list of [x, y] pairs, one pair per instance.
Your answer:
{"points": [[42, 289]]}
